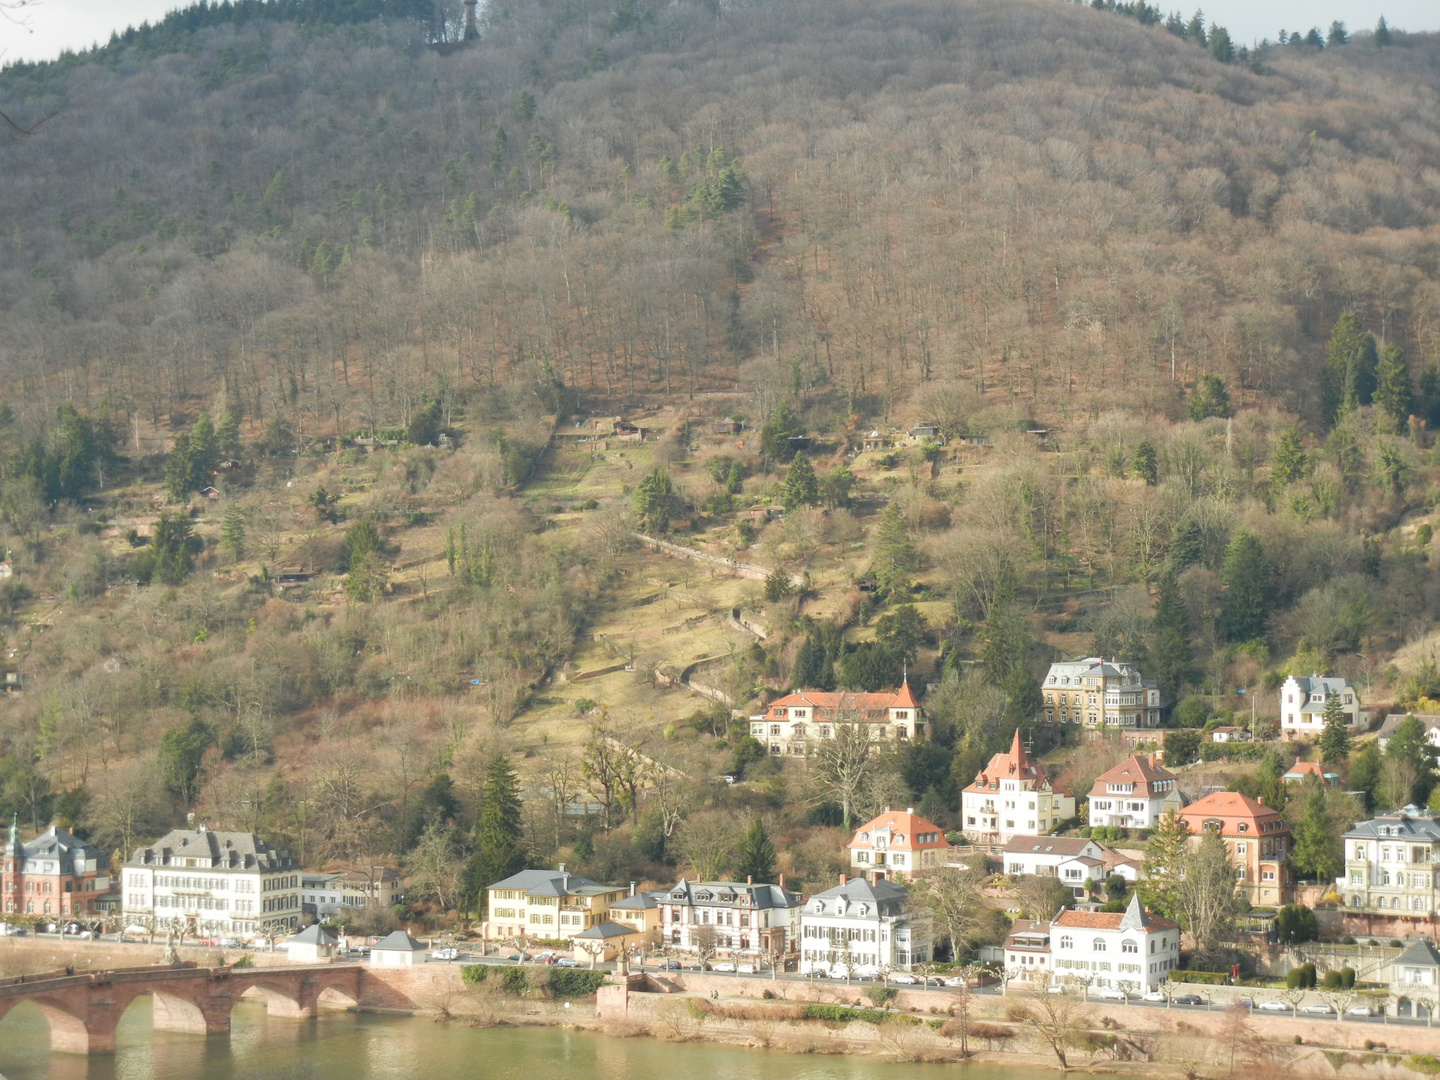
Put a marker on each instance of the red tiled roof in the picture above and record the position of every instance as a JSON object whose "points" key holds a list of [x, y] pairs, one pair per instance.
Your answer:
{"points": [[1229, 807], [1137, 769], [1106, 920], [841, 702], [1015, 765], [906, 823]]}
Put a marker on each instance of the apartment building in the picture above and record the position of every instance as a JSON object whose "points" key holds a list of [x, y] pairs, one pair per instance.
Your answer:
{"points": [[796, 724], [897, 844], [54, 874], [1392, 864], [549, 904], [750, 920], [862, 925], [1096, 693], [1135, 794], [1013, 795], [212, 882], [1258, 839]]}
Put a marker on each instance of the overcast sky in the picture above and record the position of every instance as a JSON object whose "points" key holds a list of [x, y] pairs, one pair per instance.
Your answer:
{"points": [[53, 25]]}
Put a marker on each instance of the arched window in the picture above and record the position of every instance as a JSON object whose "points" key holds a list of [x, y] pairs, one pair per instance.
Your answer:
{"points": [[1066, 942], [1129, 946], [1099, 944]]}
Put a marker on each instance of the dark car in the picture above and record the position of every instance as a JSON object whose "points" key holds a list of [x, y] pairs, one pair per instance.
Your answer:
{"points": [[1189, 999], [671, 965]]}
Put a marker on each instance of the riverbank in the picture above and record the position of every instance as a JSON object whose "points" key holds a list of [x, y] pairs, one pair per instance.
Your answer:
{"points": [[818, 1018]]}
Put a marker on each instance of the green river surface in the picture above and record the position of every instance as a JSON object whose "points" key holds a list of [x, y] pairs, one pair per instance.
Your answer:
{"points": [[362, 1046]]}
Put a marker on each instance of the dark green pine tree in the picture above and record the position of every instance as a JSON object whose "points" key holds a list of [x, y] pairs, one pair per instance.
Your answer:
{"points": [[1187, 547], [655, 501], [1145, 465], [177, 469], [1195, 31], [227, 435], [895, 554], [232, 533], [1393, 397], [1291, 463], [801, 486], [775, 436], [204, 453], [1170, 656], [1246, 579], [1316, 839], [1335, 738], [755, 855], [1382, 33], [1210, 396], [811, 664], [499, 832], [1350, 362]]}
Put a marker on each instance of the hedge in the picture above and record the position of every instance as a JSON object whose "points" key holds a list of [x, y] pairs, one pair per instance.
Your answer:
{"points": [[1424, 1063], [474, 974], [845, 1014], [1209, 978], [573, 982]]}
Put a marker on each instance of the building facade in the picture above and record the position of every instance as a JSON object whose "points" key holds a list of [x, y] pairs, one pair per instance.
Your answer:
{"points": [[1027, 953], [215, 882], [1303, 700], [1135, 794], [749, 920], [1096, 693], [553, 905], [1428, 721], [1258, 839], [863, 926], [1074, 860], [342, 893], [897, 844], [797, 723], [1392, 864], [1013, 795], [1133, 950], [54, 874]]}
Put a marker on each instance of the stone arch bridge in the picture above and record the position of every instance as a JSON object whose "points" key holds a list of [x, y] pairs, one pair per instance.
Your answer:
{"points": [[83, 1008]]}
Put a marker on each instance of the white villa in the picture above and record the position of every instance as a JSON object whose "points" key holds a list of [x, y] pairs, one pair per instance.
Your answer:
{"points": [[749, 920], [1303, 700], [863, 925], [1132, 951], [1013, 795], [1135, 794]]}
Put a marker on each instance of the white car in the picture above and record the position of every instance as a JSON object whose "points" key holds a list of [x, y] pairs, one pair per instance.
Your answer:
{"points": [[1111, 994], [1360, 1010], [1273, 1006], [904, 978], [956, 980], [566, 962], [723, 966], [1317, 1008], [1154, 995], [865, 971], [447, 953], [748, 969]]}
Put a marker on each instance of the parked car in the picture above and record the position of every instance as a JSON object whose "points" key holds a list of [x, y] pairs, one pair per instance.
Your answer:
{"points": [[955, 980], [1055, 988], [904, 978], [1273, 1006], [518, 957], [725, 966], [748, 969], [1189, 999], [865, 971], [565, 962], [1360, 1010], [1109, 993], [448, 952], [1317, 1007], [671, 965], [1154, 995]]}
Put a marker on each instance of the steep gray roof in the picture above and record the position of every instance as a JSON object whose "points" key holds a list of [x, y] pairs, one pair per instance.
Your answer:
{"points": [[639, 902], [601, 931], [399, 941], [860, 889], [1407, 824], [725, 893], [70, 851], [1430, 721], [218, 850], [552, 883], [1048, 845], [313, 935], [1420, 954]]}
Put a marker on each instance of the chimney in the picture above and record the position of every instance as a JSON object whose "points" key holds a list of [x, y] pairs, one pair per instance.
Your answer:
{"points": [[632, 888], [1261, 800], [560, 868], [749, 879], [782, 881], [909, 810], [842, 877]]}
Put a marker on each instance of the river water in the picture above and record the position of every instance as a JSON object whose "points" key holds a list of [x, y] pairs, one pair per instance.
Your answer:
{"points": [[362, 1046]]}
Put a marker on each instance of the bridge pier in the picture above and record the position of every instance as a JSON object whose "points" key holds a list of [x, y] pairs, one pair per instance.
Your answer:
{"points": [[305, 1005], [95, 1034], [209, 1015]]}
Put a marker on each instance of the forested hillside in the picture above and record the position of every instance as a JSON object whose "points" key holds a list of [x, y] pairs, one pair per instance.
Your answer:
{"points": [[240, 252]]}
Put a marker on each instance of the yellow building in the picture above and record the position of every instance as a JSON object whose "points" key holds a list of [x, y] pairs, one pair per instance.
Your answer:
{"points": [[553, 905]]}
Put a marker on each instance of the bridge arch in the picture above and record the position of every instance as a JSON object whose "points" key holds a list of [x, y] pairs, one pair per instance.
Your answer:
{"points": [[336, 997], [70, 1032], [280, 1000]]}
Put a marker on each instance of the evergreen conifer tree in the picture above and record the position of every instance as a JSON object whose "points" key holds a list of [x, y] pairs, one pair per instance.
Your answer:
{"points": [[232, 533], [499, 832], [1316, 838], [1187, 547], [895, 554], [1393, 397], [1291, 461], [1170, 656], [1247, 580], [1335, 738], [801, 486], [1210, 396], [655, 501], [1145, 465], [811, 664], [1382, 33], [755, 855], [775, 436]]}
